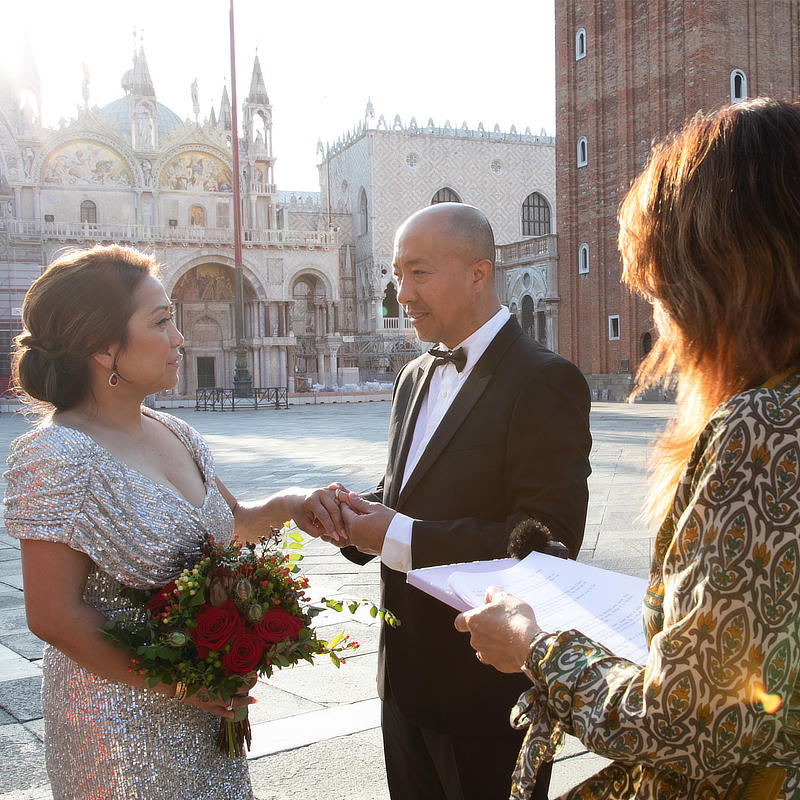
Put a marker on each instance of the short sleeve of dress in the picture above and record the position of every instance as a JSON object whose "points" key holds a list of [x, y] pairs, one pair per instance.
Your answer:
{"points": [[46, 484]]}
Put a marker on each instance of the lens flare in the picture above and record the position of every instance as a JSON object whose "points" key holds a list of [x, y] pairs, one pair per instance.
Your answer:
{"points": [[769, 702]]}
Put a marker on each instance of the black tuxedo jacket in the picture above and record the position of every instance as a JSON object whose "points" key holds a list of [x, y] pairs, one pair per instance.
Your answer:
{"points": [[514, 444]]}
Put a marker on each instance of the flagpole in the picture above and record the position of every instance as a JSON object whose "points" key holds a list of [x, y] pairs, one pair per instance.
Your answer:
{"points": [[242, 379]]}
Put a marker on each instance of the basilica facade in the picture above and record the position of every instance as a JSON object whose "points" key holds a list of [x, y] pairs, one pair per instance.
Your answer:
{"points": [[320, 306]]}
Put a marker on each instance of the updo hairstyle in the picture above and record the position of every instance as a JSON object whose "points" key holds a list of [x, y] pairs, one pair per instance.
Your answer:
{"points": [[79, 306]]}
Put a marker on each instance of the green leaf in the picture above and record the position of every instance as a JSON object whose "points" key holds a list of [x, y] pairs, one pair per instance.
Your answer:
{"points": [[336, 639], [295, 536], [373, 611]]}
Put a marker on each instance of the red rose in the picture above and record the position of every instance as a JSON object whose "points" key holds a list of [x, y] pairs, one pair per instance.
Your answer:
{"points": [[215, 627], [159, 601], [277, 625], [244, 655]]}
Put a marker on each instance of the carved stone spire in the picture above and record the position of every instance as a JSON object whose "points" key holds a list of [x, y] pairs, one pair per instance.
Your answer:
{"points": [[258, 90], [224, 122]]}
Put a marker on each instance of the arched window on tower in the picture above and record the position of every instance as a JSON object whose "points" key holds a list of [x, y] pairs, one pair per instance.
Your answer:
{"points": [[445, 195], [738, 86], [583, 259], [88, 212], [580, 44], [647, 343], [583, 152], [363, 212], [535, 215]]}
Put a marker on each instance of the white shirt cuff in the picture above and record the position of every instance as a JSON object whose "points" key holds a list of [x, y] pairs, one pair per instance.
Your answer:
{"points": [[396, 550]]}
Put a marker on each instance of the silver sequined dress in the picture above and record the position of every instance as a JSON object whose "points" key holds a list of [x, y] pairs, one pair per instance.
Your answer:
{"points": [[106, 740]]}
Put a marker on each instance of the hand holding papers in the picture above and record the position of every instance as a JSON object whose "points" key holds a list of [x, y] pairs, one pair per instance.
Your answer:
{"points": [[603, 605]]}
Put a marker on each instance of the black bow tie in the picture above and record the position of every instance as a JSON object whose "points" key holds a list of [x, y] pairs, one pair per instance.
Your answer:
{"points": [[457, 357]]}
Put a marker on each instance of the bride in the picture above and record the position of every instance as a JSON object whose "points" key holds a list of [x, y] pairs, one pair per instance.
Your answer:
{"points": [[104, 493]]}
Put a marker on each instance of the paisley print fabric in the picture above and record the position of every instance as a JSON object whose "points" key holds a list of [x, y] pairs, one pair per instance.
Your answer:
{"points": [[722, 617]]}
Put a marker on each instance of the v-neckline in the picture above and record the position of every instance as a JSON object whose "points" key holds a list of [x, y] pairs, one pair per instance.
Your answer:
{"points": [[172, 490]]}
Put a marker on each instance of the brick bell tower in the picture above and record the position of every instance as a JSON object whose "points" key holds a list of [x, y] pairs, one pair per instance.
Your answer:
{"points": [[628, 72]]}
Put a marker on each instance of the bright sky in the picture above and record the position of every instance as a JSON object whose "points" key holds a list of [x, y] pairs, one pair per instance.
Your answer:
{"points": [[456, 60]]}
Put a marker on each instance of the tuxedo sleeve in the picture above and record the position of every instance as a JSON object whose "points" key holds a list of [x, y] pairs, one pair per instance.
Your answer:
{"points": [[352, 553], [546, 466]]}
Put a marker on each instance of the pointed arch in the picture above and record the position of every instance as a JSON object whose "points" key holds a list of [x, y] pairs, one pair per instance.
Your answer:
{"points": [[445, 195]]}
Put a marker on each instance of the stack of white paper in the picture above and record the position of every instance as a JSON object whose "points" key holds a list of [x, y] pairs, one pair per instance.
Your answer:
{"points": [[605, 606]]}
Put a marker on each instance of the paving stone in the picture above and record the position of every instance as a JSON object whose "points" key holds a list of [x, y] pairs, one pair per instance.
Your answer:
{"points": [[12, 621], [22, 757], [301, 774], [11, 598], [25, 643], [22, 698], [274, 703]]}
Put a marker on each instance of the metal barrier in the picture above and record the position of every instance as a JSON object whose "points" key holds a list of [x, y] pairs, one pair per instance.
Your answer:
{"points": [[217, 399]]}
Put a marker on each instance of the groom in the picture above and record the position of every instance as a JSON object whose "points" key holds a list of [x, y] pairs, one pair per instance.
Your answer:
{"points": [[479, 440]]}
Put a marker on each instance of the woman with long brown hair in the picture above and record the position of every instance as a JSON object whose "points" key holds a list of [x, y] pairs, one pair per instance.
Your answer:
{"points": [[105, 493], [710, 234]]}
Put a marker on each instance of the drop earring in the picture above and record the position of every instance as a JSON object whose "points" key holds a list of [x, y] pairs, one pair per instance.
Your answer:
{"points": [[113, 379]]}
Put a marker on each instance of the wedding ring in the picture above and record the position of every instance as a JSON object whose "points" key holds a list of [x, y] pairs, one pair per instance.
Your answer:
{"points": [[230, 705], [336, 493]]}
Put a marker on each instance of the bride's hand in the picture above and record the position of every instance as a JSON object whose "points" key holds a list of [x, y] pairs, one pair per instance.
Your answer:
{"points": [[223, 708]]}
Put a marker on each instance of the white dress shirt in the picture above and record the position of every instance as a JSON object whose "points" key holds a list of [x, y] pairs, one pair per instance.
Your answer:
{"points": [[444, 386]]}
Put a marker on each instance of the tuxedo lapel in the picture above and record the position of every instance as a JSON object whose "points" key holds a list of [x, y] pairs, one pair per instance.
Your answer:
{"points": [[462, 405], [402, 442]]}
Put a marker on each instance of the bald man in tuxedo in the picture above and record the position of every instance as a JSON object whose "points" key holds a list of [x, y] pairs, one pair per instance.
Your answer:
{"points": [[488, 431]]}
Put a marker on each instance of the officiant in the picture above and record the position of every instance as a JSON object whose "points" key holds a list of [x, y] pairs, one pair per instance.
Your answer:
{"points": [[714, 712], [487, 429]]}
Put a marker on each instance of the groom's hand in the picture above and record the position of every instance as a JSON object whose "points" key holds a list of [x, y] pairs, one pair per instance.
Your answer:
{"points": [[318, 513], [366, 522]]}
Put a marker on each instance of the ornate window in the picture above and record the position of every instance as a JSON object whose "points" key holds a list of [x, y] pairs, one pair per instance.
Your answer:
{"points": [[583, 259], [445, 195], [580, 44], [89, 212], [535, 215], [738, 86], [363, 212], [583, 152]]}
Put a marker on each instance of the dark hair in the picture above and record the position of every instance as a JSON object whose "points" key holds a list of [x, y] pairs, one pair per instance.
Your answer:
{"points": [[710, 232], [79, 306]]}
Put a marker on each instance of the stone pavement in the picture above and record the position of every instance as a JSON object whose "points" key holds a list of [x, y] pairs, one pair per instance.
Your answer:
{"points": [[309, 721]]}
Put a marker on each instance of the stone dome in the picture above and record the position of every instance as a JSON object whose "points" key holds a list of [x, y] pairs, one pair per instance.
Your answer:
{"points": [[118, 116]]}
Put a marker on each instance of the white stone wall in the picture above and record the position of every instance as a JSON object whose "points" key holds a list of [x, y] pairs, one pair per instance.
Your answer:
{"points": [[401, 169]]}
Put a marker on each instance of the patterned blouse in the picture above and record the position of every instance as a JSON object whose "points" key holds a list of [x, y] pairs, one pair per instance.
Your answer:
{"points": [[715, 712]]}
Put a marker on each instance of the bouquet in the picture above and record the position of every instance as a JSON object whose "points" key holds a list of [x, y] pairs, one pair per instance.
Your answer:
{"points": [[241, 609]]}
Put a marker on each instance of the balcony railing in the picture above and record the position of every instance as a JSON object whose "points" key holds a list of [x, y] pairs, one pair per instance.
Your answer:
{"points": [[189, 234], [539, 248]]}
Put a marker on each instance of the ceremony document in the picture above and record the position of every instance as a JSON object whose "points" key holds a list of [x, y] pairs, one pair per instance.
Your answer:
{"points": [[605, 606]]}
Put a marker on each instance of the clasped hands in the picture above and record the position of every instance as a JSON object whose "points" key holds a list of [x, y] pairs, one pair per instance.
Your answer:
{"points": [[341, 517]]}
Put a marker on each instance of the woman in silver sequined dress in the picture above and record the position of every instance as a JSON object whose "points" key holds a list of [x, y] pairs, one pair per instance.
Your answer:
{"points": [[105, 493]]}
